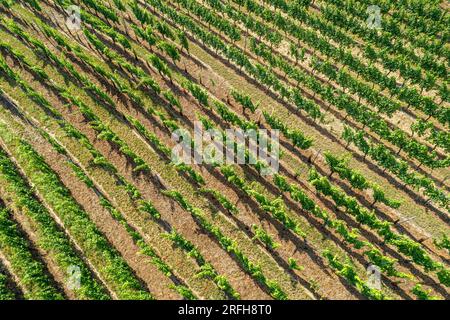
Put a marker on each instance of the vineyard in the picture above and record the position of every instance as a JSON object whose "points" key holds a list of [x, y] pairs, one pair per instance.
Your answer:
{"points": [[94, 206]]}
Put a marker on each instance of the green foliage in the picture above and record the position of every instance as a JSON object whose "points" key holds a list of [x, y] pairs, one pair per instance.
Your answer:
{"points": [[348, 272], [264, 237], [193, 174], [384, 157], [5, 292], [184, 291], [297, 137], [146, 34], [222, 199], [228, 244], [293, 264], [245, 101], [357, 180], [170, 50], [164, 29], [173, 101], [31, 272], [160, 65], [198, 92], [76, 220], [275, 207], [443, 243], [206, 269], [383, 228], [148, 207], [183, 40], [47, 230], [81, 175], [142, 15], [422, 294]]}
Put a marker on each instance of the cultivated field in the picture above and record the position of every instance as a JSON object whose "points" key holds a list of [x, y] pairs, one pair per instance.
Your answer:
{"points": [[94, 206]]}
